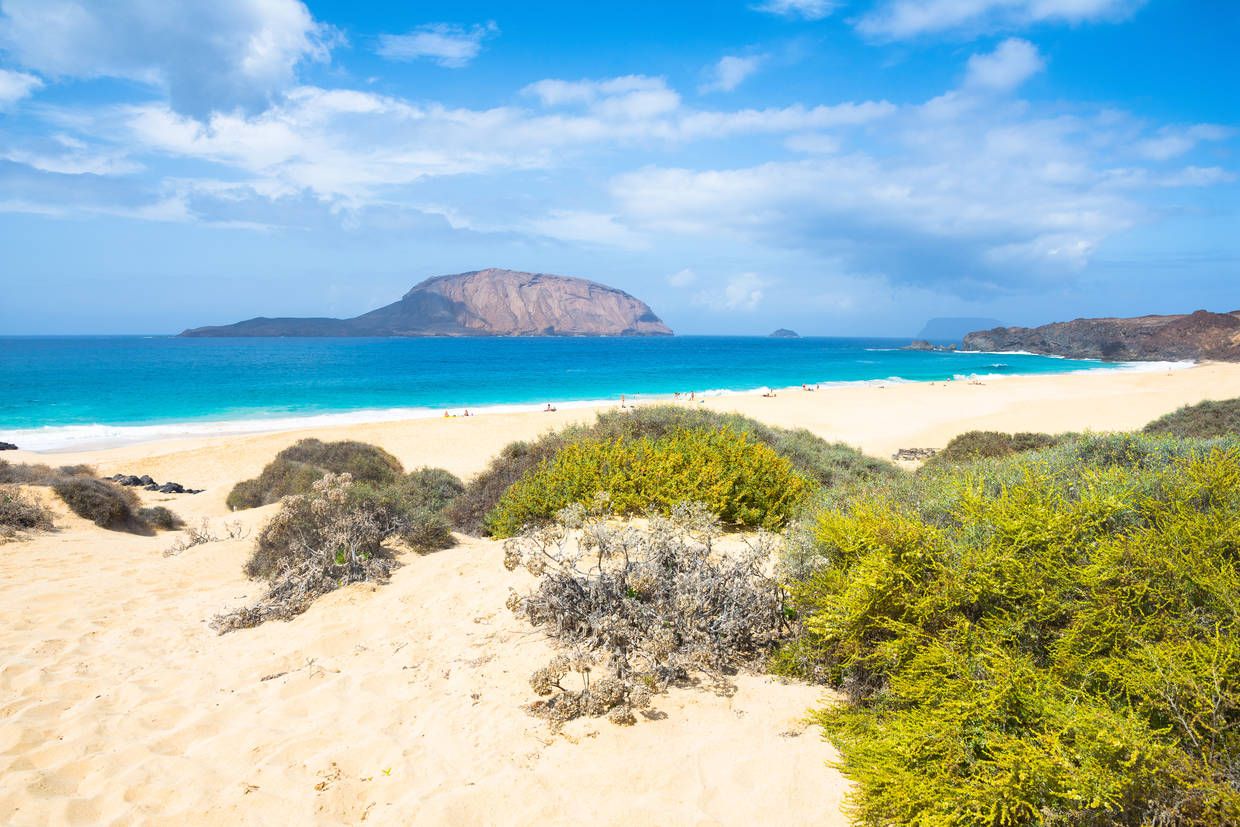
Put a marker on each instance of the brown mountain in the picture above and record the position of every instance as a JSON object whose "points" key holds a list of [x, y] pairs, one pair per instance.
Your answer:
{"points": [[482, 303], [1199, 335]]}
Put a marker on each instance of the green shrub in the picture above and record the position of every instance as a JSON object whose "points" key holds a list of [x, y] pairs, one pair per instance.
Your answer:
{"points": [[1203, 420], [742, 481], [20, 512], [295, 470], [993, 444], [1049, 638], [104, 504], [158, 516], [828, 464]]}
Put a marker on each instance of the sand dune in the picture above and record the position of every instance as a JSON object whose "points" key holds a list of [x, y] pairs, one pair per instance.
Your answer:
{"points": [[401, 704]]}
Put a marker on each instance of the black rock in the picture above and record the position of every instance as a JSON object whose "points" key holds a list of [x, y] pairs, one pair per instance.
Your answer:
{"points": [[151, 487], [130, 479], [171, 488], [7, 446], [146, 480]]}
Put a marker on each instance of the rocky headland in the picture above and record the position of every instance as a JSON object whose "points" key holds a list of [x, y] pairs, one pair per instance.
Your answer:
{"points": [[1194, 336], [489, 302]]}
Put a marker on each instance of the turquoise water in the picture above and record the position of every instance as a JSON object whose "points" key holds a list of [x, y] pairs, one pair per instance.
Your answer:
{"points": [[62, 392]]}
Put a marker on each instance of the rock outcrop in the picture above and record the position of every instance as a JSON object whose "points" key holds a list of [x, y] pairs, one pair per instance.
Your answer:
{"points": [[1199, 335], [784, 333], [482, 303], [922, 344], [953, 328]]}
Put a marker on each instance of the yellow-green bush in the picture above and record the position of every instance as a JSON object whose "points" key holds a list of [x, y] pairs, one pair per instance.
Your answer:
{"points": [[744, 482], [1049, 638]]}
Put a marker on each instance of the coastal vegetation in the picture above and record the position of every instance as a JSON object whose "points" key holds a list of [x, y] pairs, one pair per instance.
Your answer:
{"points": [[333, 533], [21, 512], [104, 503], [743, 482], [973, 445], [295, 470], [633, 610], [813, 458], [1205, 419], [1047, 637]]}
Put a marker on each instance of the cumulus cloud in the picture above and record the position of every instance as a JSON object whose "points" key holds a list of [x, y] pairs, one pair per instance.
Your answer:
{"points": [[445, 44], [988, 201], [808, 9], [209, 55], [901, 19], [1011, 63], [16, 85], [742, 292], [730, 72]]}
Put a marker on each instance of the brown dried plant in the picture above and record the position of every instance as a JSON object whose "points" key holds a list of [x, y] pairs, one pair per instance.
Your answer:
{"points": [[318, 542], [634, 610]]}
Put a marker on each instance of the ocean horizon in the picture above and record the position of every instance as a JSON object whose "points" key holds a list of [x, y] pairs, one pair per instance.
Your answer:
{"points": [[70, 392]]}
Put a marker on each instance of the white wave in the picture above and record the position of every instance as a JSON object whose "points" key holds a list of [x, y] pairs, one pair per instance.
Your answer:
{"points": [[59, 438]]}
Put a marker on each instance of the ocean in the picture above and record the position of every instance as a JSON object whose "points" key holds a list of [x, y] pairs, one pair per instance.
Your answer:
{"points": [[89, 391]]}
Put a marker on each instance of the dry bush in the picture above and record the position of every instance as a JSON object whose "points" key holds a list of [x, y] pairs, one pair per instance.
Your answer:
{"points": [[318, 542], [634, 610], [104, 504], [160, 517], [1203, 420], [20, 512], [203, 533]]}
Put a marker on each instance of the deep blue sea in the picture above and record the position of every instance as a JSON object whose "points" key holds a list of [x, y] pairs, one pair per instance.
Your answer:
{"points": [[79, 391]]}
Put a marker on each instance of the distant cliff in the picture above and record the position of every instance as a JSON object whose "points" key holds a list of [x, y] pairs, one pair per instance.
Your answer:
{"points": [[1199, 335], [482, 303]]}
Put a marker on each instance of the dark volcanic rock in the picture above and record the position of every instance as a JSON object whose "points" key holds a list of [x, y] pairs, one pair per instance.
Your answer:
{"points": [[483, 303], [922, 344], [1199, 335], [7, 446], [954, 328], [785, 333]]}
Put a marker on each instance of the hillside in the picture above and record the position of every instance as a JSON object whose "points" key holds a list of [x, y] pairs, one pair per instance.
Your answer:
{"points": [[489, 302], [1199, 335]]}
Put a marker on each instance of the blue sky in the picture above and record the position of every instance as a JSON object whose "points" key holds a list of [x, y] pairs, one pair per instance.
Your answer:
{"points": [[841, 168]]}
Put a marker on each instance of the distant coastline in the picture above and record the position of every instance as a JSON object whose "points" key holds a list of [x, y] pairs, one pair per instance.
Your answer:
{"points": [[59, 437]]}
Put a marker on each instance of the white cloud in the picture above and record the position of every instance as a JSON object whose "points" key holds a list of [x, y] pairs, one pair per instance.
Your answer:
{"points": [[586, 227], [809, 9], [988, 200], [627, 97], [208, 54], [730, 72], [1011, 63], [16, 85], [1172, 142], [682, 278], [448, 45], [900, 19], [742, 292]]}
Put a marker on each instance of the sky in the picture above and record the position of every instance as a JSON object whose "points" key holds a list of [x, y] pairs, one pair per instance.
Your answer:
{"points": [[838, 167]]}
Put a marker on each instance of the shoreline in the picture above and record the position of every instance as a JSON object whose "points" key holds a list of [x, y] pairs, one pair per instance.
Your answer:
{"points": [[58, 439]]}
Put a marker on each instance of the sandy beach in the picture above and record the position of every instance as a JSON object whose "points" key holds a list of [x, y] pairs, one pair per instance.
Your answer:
{"points": [[401, 704]]}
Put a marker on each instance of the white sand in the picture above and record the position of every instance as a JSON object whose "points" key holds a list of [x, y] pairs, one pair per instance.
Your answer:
{"points": [[402, 704]]}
